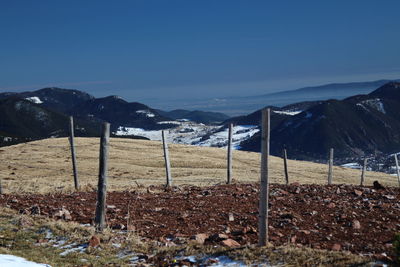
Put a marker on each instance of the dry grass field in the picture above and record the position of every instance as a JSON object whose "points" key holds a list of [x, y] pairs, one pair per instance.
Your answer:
{"points": [[45, 166]]}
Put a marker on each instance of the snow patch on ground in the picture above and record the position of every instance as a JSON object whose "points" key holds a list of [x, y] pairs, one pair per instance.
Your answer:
{"points": [[146, 113], [34, 99], [352, 165], [287, 112], [14, 261]]}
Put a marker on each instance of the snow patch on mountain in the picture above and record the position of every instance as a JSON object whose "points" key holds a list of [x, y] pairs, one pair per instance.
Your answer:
{"points": [[34, 99], [373, 103], [287, 112], [146, 113]]}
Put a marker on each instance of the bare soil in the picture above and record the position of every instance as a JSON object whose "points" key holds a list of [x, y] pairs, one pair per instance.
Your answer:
{"points": [[361, 220]]}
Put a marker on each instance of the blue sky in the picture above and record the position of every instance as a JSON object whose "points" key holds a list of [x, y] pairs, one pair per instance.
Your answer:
{"points": [[155, 51]]}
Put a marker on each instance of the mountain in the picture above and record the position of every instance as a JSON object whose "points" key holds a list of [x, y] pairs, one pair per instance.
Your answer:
{"points": [[353, 126], [278, 114], [45, 113], [24, 120], [119, 112], [56, 99], [196, 115], [234, 106]]}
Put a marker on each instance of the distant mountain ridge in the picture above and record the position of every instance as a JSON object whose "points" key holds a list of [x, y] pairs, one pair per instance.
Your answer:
{"points": [[353, 126], [235, 106]]}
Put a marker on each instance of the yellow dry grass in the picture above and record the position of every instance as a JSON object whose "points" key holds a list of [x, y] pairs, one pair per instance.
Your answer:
{"points": [[45, 166]]}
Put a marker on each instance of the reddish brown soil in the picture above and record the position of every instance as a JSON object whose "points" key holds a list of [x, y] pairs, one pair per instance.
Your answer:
{"points": [[310, 215]]}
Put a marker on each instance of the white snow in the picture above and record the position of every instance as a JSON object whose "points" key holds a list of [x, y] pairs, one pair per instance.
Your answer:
{"points": [[14, 261], [352, 165], [239, 134], [191, 133], [152, 135], [146, 113], [34, 99], [373, 103], [287, 112]]}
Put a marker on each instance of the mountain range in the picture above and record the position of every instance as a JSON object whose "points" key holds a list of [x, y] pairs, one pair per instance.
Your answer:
{"points": [[239, 105], [355, 126], [45, 113]]}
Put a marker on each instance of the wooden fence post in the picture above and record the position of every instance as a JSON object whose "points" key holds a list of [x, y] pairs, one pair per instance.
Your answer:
{"points": [[264, 190], [102, 186], [229, 163], [397, 168], [364, 169], [73, 155], [285, 166], [330, 166], [166, 158]]}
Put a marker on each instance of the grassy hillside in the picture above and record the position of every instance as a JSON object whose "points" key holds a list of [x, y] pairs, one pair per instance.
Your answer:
{"points": [[45, 166]]}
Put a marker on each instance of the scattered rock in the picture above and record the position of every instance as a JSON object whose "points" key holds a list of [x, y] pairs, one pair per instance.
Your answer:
{"points": [[218, 237], [200, 238], [331, 205], [378, 186], [358, 192], [63, 214], [94, 241], [336, 247], [230, 217], [356, 224], [230, 243]]}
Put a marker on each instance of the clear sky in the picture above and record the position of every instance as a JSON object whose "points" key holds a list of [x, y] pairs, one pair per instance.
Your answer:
{"points": [[145, 50]]}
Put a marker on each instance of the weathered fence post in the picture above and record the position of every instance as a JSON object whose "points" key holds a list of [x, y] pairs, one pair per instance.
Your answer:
{"points": [[73, 155], [285, 166], [364, 169], [264, 194], [330, 166], [229, 163], [397, 168], [102, 186], [166, 158]]}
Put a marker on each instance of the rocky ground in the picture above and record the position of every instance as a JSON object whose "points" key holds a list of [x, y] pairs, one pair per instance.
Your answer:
{"points": [[362, 220]]}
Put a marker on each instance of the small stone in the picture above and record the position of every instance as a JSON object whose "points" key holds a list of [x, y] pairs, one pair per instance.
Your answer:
{"points": [[66, 214], [306, 232], [338, 190], [218, 237], [378, 186], [331, 205], [358, 192], [199, 238], [230, 243], [293, 239], [356, 225], [94, 241], [336, 247], [230, 217]]}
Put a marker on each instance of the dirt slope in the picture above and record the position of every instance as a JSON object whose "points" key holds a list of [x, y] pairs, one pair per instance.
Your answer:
{"points": [[45, 166]]}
